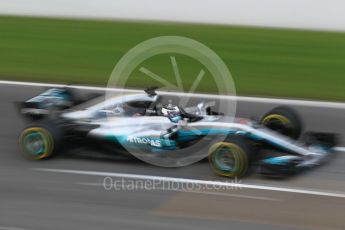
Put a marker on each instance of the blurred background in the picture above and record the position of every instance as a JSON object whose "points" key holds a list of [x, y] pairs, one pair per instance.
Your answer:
{"points": [[284, 48]]}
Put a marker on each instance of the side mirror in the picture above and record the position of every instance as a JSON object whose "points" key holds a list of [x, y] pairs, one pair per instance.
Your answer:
{"points": [[201, 109], [201, 105]]}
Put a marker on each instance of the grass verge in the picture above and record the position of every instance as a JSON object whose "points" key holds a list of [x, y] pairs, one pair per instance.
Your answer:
{"points": [[265, 62]]}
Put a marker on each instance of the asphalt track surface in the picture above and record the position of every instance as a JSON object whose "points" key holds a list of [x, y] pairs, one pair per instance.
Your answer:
{"points": [[48, 195]]}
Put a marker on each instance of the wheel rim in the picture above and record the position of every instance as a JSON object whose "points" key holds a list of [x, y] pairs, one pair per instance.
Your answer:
{"points": [[228, 159], [36, 143], [225, 159]]}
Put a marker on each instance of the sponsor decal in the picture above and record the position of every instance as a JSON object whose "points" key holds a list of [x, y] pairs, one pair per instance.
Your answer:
{"points": [[144, 140]]}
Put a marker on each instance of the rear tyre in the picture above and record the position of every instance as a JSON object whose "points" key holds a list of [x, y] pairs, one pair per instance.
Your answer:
{"points": [[232, 157], [40, 140], [283, 120]]}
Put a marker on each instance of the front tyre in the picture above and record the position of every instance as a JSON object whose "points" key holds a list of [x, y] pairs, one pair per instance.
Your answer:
{"points": [[231, 158], [283, 120], [40, 141]]}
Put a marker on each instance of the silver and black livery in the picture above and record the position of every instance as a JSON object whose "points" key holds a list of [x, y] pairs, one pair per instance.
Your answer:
{"points": [[143, 122]]}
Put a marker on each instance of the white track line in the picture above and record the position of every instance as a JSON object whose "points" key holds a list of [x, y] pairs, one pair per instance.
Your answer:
{"points": [[323, 104], [192, 181]]}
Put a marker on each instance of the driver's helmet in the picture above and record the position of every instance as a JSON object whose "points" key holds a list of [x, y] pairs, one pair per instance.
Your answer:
{"points": [[173, 112]]}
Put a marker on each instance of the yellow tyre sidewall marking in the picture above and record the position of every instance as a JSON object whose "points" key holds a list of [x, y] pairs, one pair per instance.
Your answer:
{"points": [[241, 160], [278, 117], [47, 139]]}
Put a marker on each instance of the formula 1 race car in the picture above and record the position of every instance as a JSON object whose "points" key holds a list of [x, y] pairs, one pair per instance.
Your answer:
{"points": [[141, 122]]}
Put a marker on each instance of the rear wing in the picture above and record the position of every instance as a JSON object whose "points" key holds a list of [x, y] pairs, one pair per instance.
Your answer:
{"points": [[50, 101]]}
